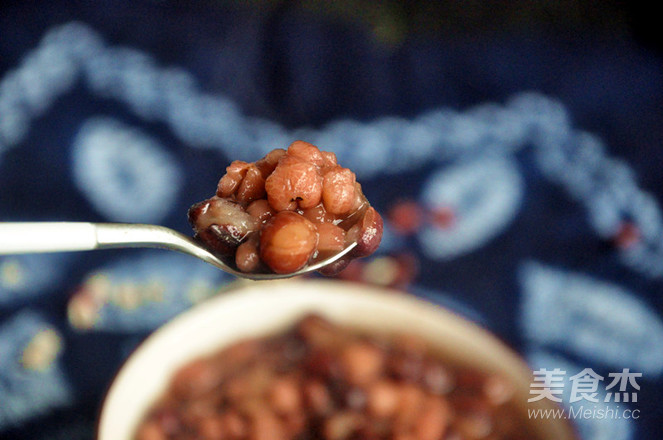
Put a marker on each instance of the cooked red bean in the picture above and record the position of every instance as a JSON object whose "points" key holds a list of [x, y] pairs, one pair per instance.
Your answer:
{"points": [[340, 426], [151, 431], [252, 186], [318, 214], [234, 425], [338, 190], [195, 379], [306, 152], [367, 233], [409, 406], [317, 398], [329, 159], [476, 425], [336, 267], [287, 242], [211, 427], [322, 381], [383, 399], [433, 420], [222, 224], [260, 210], [267, 164], [265, 425], [362, 363], [285, 395], [317, 332], [247, 257], [222, 212], [438, 379], [302, 179], [167, 419], [331, 238], [229, 183], [497, 390], [294, 183]]}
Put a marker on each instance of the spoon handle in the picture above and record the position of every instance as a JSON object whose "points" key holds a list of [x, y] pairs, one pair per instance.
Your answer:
{"points": [[36, 237], [40, 237]]}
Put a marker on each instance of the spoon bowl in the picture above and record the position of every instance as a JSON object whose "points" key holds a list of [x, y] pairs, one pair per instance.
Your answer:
{"points": [[39, 237]]}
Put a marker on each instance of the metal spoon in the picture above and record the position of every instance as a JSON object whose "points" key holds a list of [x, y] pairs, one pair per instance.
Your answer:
{"points": [[39, 237]]}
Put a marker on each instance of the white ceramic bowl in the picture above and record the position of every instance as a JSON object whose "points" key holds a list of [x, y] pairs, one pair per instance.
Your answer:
{"points": [[262, 308]]}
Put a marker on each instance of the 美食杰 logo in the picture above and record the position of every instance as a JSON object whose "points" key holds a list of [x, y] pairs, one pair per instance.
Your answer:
{"points": [[598, 394]]}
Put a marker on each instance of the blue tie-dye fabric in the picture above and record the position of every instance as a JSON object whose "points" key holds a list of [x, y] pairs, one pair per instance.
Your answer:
{"points": [[545, 155]]}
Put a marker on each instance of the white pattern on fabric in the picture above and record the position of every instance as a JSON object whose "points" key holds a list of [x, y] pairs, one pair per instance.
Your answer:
{"points": [[576, 313], [484, 196], [33, 388], [126, 175]]}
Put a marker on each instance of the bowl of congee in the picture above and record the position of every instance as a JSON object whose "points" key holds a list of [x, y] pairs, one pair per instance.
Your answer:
{"points": [[323, 359]]}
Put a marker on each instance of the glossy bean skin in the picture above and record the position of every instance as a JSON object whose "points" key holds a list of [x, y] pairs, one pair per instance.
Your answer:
{"points": [[319, 380], [222, 224], [267, 164], [294, 184], [252, 186], [318, 214], [287, 242], [230, 182], [338, 190], [247, 256], [331, 238], [307, 152], [260, 210], [367, 233], [329, 159]]}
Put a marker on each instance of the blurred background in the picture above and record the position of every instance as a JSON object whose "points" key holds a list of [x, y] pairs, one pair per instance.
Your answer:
{"points": [[513, 148]]}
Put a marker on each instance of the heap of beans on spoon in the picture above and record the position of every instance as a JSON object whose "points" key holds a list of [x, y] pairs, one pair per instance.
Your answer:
{"points": [[289, 209]]}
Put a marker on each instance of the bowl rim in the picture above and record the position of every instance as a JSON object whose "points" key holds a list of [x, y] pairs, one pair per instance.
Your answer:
{"points": [[286, 300]]}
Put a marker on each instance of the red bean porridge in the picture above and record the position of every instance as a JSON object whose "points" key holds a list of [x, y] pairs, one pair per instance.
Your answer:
{"points": [[287, 210], [319, 380]]}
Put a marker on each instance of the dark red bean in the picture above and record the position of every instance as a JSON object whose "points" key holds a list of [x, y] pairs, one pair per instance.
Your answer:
{"points": [[229, 183], [252, 186], [335, 267], [221, 224], [367, 233]]}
